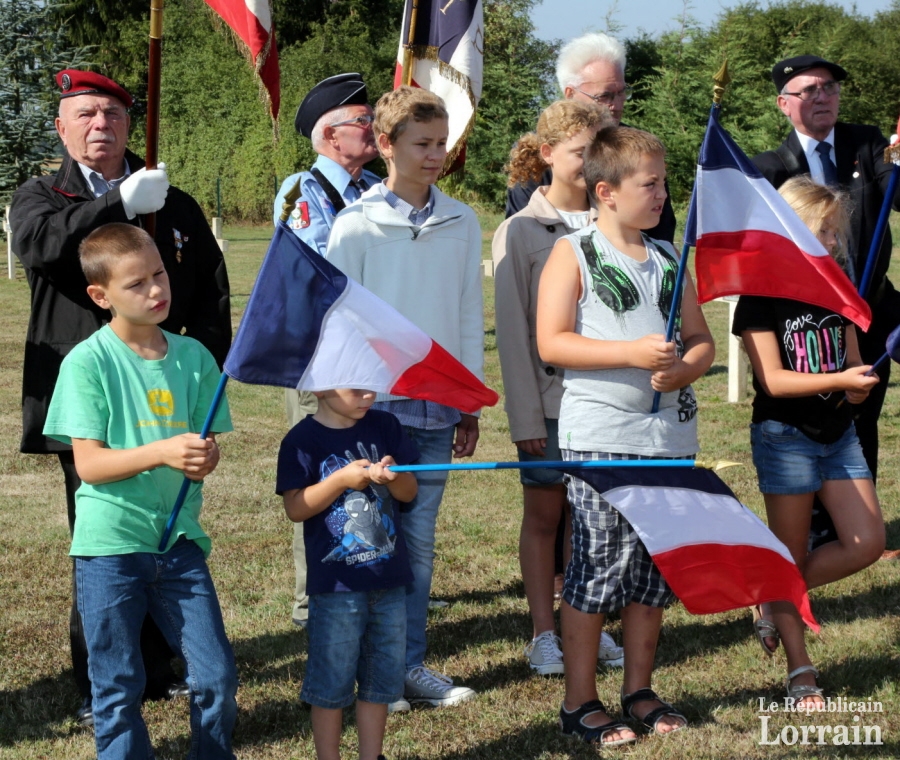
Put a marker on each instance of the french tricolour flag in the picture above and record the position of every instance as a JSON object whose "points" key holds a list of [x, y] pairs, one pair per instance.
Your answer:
{"points": [[713, 551], [309, 326], [749, 240]]}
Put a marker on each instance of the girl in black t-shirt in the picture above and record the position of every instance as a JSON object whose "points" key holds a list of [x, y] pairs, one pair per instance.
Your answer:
{"points": [[805, 361]]}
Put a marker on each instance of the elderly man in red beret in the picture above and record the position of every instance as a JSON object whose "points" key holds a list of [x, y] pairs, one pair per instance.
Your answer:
{"points": [[100, 181]]}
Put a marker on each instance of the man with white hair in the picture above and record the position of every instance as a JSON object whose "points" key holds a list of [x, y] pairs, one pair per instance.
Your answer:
{"points": [[592, 68], [336, 116]]}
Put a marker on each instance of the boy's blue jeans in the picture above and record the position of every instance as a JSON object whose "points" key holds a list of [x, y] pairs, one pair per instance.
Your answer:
{"points": [[355, 638], [115, 593], [435, 446]]}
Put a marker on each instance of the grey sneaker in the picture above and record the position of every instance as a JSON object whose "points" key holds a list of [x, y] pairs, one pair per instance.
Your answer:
{"points": [[609, 654], [544, 654], [424, 685], [401, 705]]}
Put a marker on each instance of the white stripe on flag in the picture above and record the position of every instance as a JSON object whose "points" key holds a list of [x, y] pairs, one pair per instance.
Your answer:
{"points": [[361, 346], [748, 203], [262, 11], [682, 517]]}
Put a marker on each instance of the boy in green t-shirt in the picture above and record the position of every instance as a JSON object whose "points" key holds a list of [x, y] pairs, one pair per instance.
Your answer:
{"points": [[131, 400]]}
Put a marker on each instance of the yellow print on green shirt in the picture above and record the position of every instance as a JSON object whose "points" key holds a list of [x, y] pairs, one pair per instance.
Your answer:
{"points": [[161, 402]]}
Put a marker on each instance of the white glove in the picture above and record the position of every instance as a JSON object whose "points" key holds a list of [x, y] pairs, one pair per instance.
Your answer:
{"points": [[144, 191]]}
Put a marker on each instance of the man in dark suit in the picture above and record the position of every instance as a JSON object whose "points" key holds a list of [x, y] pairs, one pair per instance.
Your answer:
{"points": [[850, 156]]}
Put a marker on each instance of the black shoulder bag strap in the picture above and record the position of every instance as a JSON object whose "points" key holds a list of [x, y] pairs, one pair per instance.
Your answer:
{"points": [[330, 190]]}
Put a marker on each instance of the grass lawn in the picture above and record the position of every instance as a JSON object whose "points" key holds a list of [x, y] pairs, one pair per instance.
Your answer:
{"points": [[711, 667]]}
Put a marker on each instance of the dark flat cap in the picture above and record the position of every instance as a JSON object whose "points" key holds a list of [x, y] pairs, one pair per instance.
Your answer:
{"points": [[785, 70], [74, 82], [331, 93]]}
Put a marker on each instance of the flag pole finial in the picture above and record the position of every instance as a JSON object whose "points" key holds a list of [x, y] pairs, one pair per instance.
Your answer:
{"points": [[722, 79], [290, 199], [715, 466]]}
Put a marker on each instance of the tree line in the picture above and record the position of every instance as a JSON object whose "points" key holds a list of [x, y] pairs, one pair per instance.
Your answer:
{"points": [[213, 125]]}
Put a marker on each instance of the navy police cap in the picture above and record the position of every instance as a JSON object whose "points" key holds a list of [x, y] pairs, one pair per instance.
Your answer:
{"points": [[785, 70], [331, 93]]}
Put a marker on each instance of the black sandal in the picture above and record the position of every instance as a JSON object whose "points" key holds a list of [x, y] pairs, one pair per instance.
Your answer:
{"points": [[572, 724], [650, 720]]}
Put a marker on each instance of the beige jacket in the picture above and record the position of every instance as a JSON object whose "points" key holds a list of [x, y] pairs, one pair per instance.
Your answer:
{"points": [[521, 246]]}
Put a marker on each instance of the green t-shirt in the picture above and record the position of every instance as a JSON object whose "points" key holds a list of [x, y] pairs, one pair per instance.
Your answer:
{"points": [[106, 392]]}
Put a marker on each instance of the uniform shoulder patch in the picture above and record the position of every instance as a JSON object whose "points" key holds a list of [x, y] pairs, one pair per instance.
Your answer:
{"points": [[300, 216]]}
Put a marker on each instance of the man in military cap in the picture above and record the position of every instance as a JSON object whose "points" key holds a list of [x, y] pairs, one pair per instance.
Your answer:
{"points": [[100, 181], [337, 117], [849, 156]]}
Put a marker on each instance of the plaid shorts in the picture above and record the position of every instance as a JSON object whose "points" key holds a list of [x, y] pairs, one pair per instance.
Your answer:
{"points": [[610, 565]]}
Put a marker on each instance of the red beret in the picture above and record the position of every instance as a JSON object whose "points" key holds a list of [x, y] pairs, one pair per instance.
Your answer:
{"points": [[74, 82]]}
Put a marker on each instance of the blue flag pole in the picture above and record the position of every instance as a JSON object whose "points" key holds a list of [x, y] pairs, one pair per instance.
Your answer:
{"points": [[555, 465], [204, 432], [866, 280], [673, 310], [891, 155]]}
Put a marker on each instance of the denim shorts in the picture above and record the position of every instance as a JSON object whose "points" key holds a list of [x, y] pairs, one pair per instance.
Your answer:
{"points": [[356, 637], [542, 476], [788, 462]]}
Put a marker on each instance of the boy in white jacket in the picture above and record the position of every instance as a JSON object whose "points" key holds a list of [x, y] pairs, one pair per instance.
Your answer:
{"points": [[420, 251]]}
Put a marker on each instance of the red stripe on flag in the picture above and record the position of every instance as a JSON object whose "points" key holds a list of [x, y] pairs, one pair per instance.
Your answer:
{"points": [[710, 578], [441, 378], [760, 263]]}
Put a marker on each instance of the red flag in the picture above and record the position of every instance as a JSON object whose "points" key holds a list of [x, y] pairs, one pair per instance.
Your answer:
{"points": [[251, 21], [447, 57]]}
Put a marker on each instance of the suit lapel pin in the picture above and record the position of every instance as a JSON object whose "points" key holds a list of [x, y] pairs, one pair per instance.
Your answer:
{"points": [[179, 242]]}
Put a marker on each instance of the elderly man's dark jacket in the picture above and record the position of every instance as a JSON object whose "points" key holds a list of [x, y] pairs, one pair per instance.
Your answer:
{"points": [[862, 172], [50, 216]]}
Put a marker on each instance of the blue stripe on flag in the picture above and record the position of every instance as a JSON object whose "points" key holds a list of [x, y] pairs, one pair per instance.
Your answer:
{"points": [[719, 151], [696, 479], [280, 329]]}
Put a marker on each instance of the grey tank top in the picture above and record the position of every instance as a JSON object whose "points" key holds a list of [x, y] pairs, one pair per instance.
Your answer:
{"points": [[608, 410]]}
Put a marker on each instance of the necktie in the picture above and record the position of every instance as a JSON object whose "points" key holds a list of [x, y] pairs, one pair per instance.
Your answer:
{"points": [[829, 170]]}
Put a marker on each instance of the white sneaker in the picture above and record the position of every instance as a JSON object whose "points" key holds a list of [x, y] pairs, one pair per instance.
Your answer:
{"points": [[544, 654], [609, 654], [401, 705], [424, 685]]}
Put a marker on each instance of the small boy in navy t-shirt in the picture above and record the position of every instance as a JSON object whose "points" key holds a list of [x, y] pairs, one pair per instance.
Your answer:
{"points": [[333, 475]]}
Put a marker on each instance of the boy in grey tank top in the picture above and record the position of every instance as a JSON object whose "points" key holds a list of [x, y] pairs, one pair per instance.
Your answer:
{"points": [[602, 309]]}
